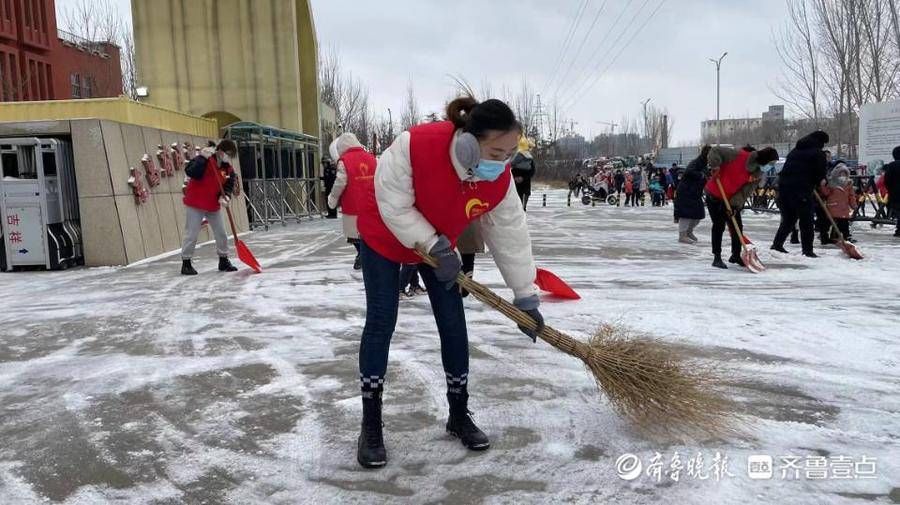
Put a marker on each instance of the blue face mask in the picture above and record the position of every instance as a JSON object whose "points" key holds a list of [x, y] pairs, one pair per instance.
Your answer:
{"points": [[489, 170]]}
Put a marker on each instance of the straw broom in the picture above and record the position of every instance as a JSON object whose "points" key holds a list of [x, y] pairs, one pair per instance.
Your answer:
{"points": [[650, 383]]}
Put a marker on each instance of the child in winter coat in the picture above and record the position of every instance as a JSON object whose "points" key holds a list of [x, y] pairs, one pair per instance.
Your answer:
{"points": [[840, 199], [629, 190]]}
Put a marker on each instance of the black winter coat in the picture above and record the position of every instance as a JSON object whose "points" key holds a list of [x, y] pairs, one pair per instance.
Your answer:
{"points": [[689, 196], [523, 166], [804, 168], [892, 181]]}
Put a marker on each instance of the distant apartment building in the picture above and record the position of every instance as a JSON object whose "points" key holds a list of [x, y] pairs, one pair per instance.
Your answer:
{"points": [[39, 62], [724, 127]]}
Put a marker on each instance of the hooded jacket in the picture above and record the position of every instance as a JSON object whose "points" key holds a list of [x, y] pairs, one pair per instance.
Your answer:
{"points": [[840, 198], [349, 184], [689, 195], [805, 167]]}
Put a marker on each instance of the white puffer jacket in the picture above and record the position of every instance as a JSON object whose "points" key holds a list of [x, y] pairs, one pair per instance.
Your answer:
{"points": [[504, 228]]}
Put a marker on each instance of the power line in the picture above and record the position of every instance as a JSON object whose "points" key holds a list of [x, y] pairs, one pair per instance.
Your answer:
{"points": [[580, 94], [569, 36], [603, 55], [567, 88], [584, 40]]}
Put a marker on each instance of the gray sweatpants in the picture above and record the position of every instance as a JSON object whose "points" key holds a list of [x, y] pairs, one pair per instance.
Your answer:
{"points": [[192, 230], [686, 226]]}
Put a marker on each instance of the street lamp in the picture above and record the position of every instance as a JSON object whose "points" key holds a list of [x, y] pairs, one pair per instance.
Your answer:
{"points": [[718, 64]]}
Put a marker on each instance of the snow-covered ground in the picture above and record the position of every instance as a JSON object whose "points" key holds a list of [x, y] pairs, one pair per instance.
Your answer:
{"points": [[138, 385]]}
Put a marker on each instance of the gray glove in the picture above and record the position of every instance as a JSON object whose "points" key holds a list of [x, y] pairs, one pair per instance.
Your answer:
{"points": [[529, 305], [448, 265]]}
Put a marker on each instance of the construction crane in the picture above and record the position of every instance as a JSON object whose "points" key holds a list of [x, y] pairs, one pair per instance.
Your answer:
{"points": [[612, 126]]}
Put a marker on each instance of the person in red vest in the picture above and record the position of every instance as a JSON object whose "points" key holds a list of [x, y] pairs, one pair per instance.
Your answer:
{"points": [[432, 182], [355, 177], [739, 171], [203, 198]]}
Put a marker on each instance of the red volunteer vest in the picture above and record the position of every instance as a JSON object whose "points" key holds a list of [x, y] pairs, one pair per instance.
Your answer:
{"points": [[734, 176], [448, 203], [203, 193], [360, 166]]}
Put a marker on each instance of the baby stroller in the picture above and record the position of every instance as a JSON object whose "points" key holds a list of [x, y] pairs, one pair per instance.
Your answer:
{"points": [[596, 193]]}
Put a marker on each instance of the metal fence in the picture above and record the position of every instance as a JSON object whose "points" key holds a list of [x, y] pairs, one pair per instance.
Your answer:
{"points": [[279, 173], [872, 207]]}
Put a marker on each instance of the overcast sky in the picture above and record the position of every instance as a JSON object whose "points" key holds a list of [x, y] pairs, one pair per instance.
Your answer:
{"points": [[387, 43]]}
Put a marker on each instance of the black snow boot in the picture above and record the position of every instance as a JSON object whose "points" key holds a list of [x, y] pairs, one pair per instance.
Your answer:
{"points": [[357, 263], [225, 265], [736, 260], [187, 268], [811, 254], [795, 237], [461, 425], [370, 450], [718, 263], [779, 248]]}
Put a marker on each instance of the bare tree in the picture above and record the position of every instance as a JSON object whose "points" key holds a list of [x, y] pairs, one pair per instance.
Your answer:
{"points": [[384, 133], [839, 55], [882, 65], [796, 46], [346, 95], [411, 115], [658, 129]]}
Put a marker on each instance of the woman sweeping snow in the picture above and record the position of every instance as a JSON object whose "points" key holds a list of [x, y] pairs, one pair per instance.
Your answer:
{"points": [[434, 181], [738, 171]]}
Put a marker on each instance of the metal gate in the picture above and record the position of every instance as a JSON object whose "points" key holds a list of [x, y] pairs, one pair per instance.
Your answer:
{"points": [[39, 217], [278, 171]]}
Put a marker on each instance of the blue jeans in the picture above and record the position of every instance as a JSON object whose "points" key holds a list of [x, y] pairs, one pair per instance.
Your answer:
{"points": [[381, 277]]}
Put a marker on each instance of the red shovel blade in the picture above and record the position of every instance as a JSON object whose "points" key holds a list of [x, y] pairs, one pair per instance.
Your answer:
{"points": [[851, 250], [549, 282], [246, 257]]}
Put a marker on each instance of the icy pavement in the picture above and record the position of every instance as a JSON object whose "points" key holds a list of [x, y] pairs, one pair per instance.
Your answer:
{"points": [[138, 385]]}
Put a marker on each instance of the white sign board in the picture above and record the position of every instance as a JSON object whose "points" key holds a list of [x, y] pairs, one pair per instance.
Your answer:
{"points": [[24, 236], [879, 133]]}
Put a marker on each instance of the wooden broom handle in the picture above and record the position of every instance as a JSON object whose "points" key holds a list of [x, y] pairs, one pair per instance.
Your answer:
{"points": [[227, 209], [737, 229]]}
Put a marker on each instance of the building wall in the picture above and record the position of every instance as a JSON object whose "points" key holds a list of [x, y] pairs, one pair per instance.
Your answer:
{"points": [[99, 73], [35, 64], [254, 60], [116, 229]]}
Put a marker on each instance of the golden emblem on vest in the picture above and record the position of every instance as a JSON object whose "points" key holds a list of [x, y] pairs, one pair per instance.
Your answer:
{"points": [[475, 208]]}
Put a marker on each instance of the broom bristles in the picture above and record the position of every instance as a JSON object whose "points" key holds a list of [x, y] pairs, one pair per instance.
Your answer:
{"points": [[655, 386]]}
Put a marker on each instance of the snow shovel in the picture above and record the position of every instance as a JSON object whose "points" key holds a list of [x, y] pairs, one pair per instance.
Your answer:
{"points": [[748, 249], [849, 249], [549, 282], [243, 252]]}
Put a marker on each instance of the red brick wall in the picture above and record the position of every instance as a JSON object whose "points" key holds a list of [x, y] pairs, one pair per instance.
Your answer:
{"points": [[105, 73], [8, 20], [36, 65]]}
